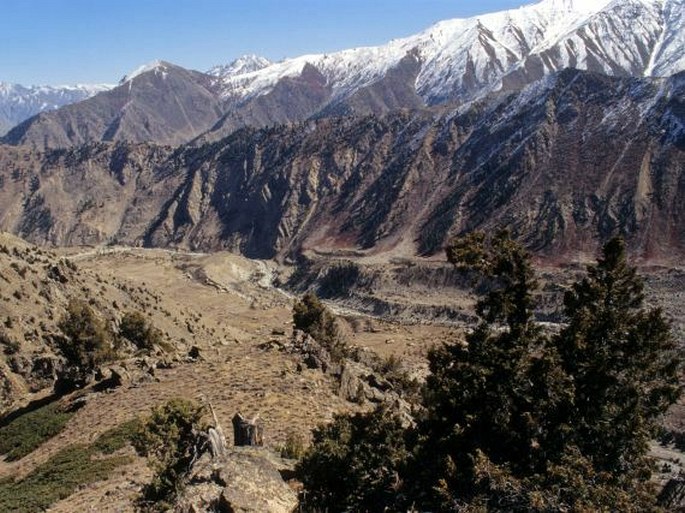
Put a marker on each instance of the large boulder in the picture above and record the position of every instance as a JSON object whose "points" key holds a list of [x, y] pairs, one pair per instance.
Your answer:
{"points": [[119, 376], [247, 431], [244, 479], [358, 384], [313, 354]]}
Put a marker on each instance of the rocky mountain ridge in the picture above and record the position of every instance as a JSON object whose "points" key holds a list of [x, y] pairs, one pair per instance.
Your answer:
{"points": [[164, 103], [565, 163], [454, 61]]}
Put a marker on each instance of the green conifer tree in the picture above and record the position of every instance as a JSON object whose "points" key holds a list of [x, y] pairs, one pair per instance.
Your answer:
{"points": [[311, 316], [624, 363], [497, 399]]}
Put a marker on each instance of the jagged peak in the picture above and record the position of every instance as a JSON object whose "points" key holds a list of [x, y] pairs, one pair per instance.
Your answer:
{"points": [[244, 64], [156, 65], [580, 6]]}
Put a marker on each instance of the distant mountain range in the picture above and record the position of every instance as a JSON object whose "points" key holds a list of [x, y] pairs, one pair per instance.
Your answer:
{"points": [[454, 61], [18, 103], [472, 124]]}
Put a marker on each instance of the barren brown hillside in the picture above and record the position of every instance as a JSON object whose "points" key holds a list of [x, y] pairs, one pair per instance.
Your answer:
{"points": [[222, 303]]}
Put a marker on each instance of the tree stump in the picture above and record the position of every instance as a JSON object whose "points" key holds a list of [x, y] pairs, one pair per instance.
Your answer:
{"points": [[247, 432]]}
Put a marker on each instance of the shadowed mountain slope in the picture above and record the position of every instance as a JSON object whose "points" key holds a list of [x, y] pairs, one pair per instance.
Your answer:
{"points": [[564, 164]]}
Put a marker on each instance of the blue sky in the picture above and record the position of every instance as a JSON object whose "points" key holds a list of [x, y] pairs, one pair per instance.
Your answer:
{"points": [[99, 41]]}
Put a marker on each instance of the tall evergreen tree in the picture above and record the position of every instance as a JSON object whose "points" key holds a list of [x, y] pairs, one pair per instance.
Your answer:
{"points": [[521, 421], [497, 399], [624, 363]]}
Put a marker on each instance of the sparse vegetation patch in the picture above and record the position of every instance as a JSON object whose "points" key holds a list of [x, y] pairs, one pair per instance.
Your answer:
{"points": [[65, 472], [25, 433]]}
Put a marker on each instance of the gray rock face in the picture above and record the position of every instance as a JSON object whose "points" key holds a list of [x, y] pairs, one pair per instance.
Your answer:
{"points": [[119, 376], [245, 480], [358, 384], [395, 91], [313, 354], [292, 99]]}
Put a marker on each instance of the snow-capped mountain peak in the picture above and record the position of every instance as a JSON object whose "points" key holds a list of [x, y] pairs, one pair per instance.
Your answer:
{"points": [[156, 65], [244, 64], [581, 6], [464, 58], [18, 102], [457, 60]]}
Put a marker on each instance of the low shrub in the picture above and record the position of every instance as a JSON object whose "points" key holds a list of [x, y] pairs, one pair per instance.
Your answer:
{"points": [[294, 447], [136, 328], [169, 439]]}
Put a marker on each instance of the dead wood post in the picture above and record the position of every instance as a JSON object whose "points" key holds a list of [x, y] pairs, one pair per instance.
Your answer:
{"points": [[217, 440]]}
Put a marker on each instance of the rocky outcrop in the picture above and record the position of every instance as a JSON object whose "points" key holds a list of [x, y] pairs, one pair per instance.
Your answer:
{"points": [[360, 384], [247, 432], [245, 480], [313, 354]]}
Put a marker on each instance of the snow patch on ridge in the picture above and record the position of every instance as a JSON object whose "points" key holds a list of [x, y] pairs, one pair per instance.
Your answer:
{"points": [[240, 66], [156, 65]]}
